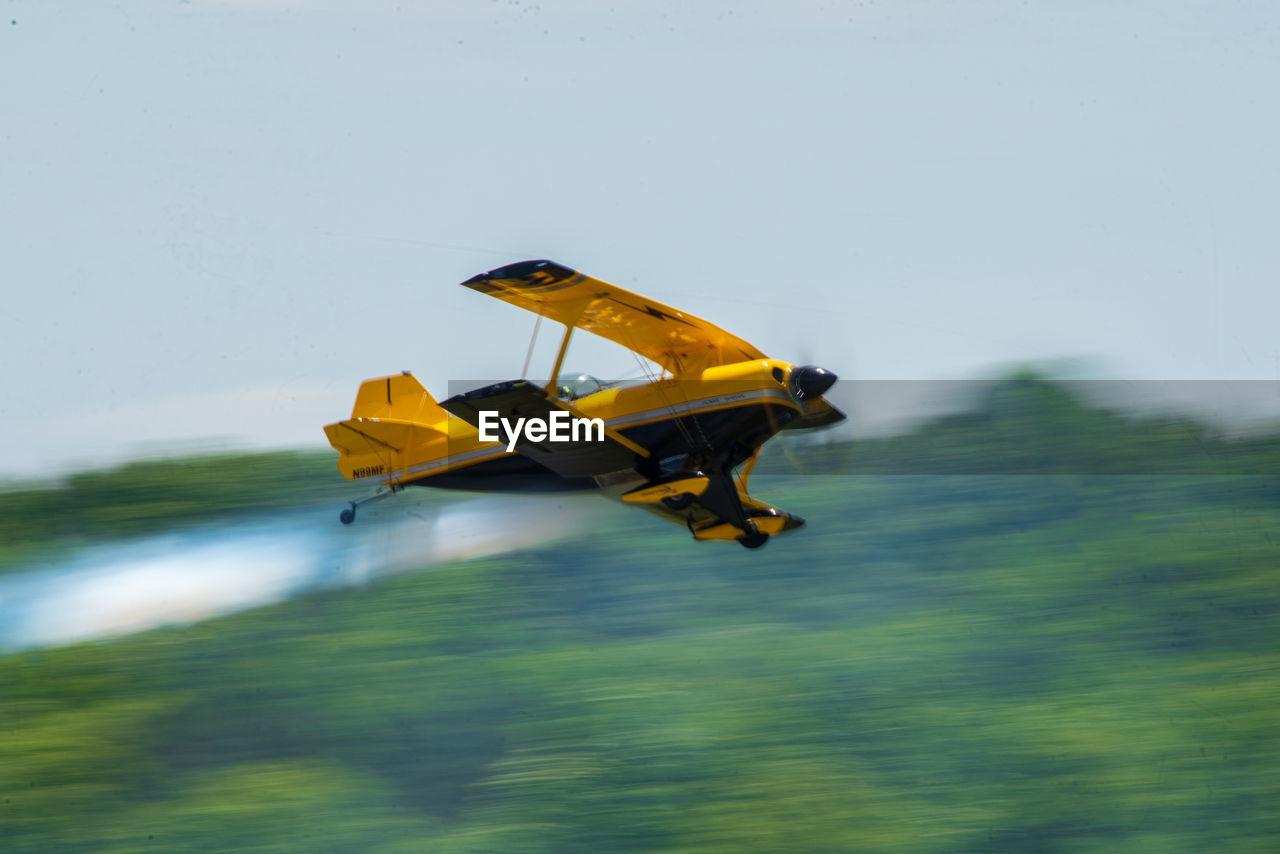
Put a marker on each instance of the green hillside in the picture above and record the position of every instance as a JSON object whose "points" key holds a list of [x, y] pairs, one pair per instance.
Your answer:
{"points": [[938, 663]]}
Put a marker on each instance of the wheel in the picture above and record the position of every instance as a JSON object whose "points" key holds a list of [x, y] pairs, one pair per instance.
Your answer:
{"points": [[347, 516], [677, 502], [754, 538]]}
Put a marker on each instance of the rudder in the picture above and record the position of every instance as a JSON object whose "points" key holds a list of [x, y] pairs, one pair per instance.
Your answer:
{"points": [[394, 418]]}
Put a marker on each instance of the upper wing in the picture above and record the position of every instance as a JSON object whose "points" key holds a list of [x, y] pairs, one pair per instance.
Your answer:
{"points": [[681, 343]]}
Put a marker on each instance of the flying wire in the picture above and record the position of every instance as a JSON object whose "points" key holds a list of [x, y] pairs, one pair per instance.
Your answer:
{"points": [[679, 422]]}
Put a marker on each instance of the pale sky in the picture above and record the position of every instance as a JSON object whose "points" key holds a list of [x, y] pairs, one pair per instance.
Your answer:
{"points": [[219, 217]]}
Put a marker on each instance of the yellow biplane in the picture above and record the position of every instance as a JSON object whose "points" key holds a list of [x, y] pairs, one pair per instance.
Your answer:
{"points": [[670, 445]]}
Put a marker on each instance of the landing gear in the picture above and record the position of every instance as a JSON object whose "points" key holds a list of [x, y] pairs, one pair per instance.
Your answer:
{"points": [[754, 538], [678, 502], [348, 515]]}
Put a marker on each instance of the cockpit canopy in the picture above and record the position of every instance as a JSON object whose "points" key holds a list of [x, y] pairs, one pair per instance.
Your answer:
{"points": [[574, 386]]}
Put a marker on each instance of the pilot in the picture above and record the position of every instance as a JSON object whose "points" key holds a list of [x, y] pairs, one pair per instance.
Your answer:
{"points": [[578, 385]]}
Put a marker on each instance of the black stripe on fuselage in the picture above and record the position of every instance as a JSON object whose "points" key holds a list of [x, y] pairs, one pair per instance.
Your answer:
{"points": [[507, 473], [742, 427]]}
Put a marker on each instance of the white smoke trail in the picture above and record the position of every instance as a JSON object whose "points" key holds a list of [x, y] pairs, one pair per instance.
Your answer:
{"points": [[197, 574]]}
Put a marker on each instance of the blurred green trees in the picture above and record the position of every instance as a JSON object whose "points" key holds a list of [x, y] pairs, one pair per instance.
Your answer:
{"points": [[150, 495]]}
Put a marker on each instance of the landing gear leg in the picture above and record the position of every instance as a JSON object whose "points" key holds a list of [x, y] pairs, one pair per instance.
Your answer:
{"points": [[721, 498], [348, 515]]}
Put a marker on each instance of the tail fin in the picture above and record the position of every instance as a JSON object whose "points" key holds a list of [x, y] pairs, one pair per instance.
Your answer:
{"points": [[400, 397], [393, 421]]}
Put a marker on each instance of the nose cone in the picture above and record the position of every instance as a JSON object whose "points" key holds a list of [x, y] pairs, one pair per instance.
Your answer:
{"points": [[811, 381]]}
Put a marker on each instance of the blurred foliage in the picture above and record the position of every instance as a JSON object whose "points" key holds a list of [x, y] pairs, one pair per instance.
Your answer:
{"points": [[1028, 425], [938, 663], [151, 495]]}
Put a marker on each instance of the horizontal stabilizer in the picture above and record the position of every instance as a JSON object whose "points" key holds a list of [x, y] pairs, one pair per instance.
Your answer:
{"points": [[375, 447], [359, 435]]}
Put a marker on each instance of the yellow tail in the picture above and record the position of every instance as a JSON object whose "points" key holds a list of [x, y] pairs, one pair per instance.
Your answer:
{"points": [[394, 422]]}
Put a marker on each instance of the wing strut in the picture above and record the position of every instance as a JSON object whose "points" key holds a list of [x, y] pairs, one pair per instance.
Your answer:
{"points": [[555, 371], [528, 357]]}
